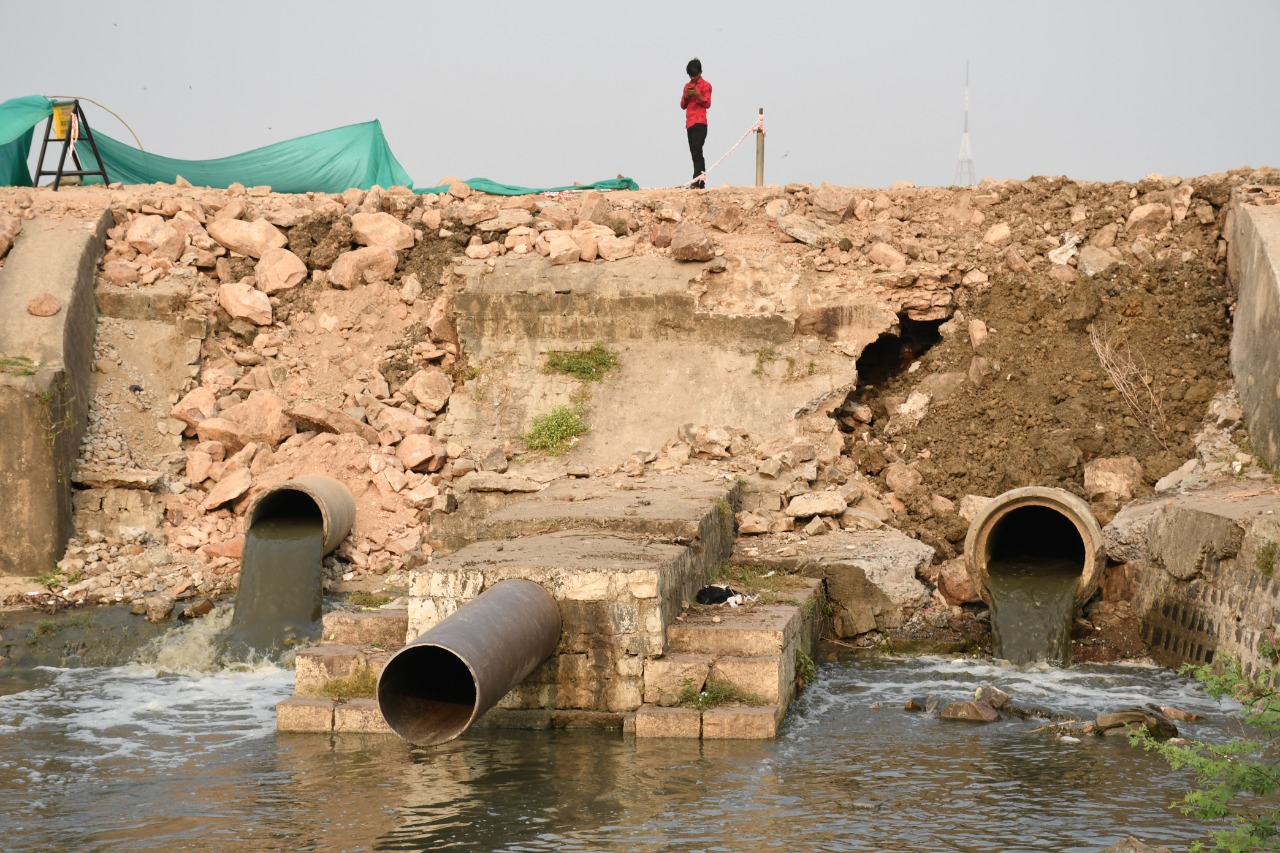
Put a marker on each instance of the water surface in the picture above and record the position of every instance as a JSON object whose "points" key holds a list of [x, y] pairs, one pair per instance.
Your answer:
{"points": [[173, 755]]}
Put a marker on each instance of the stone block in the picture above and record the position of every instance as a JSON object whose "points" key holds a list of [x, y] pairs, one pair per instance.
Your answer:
{"points": [[160, 301], [359, 715], [653, 721], [665, 677], [303, 714], [319, 664], [769, 677], [739, 722], [764, 630], [384, 628]]}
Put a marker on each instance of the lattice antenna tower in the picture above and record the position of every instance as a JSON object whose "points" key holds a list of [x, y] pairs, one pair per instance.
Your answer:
{"points": [[964, 164]]}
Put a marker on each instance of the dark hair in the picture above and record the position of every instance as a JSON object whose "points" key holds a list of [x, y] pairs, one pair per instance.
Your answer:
{"points": [[694, 67]]}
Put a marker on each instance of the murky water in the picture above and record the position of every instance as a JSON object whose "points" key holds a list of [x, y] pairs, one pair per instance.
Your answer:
{"points": [[170, 755], [279, 600], [1031, 608]]}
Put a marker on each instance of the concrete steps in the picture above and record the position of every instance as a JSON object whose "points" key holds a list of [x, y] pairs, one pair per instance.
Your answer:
{"points": [[623, 557], [751, 650], [354, 648]]}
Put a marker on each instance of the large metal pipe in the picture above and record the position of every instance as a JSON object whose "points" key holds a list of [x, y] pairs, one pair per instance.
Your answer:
{"points": [[439, 684], [313, 492], [1031, 521]]}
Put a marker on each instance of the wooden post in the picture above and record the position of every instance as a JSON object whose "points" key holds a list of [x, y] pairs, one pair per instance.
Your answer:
{"points": [[760, 151]]}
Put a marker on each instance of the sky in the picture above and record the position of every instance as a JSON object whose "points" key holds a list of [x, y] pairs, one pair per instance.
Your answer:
{"points": [[545, 94]]}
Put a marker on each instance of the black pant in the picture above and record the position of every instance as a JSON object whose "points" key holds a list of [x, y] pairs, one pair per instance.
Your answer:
{"points": [[697, 136]]}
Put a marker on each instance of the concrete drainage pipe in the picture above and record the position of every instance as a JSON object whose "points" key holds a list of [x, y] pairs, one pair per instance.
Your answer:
{"points": [[439, 684], [1036, 521], [306, 495]]}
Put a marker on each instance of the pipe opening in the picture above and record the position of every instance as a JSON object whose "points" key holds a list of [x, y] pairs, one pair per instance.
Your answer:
{"points": [[287, 504], [427, 694], [1034, 533]]}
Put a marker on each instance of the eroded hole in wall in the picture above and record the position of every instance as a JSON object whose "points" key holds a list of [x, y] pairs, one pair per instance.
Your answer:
{"points": [[879, 365]]}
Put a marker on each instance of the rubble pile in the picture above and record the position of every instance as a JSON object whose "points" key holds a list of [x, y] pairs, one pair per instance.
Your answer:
{"points": [[318, 335]]}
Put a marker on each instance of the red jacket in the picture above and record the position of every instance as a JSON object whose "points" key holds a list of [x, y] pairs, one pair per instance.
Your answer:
{"points": [[695, 109]]}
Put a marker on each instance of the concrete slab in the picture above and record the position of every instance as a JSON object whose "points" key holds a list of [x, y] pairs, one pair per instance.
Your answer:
{"points": [[667, 676], [164, 300], [770, 677], [672, 508], [871, 575]]}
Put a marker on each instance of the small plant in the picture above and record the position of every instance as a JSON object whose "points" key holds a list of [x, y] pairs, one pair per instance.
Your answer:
{"points": [[362, 685], [771, 585], [764, 357], [806, 669], [1265, 557], [589, 365], [42, 628], [1234, 780], [556, 431], [18, 365], [367, 599], [50, 579], [715, 693]]}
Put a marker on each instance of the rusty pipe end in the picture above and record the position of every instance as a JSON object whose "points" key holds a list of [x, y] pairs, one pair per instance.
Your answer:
{"points": [[428, 694], [435, 687], [1050, 521]]}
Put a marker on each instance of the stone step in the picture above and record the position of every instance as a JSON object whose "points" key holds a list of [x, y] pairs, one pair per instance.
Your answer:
{"points": [[675, 508], [316, 666], [751, 631], [769, 677], [317, 714], [725, 722], [385, 629]]}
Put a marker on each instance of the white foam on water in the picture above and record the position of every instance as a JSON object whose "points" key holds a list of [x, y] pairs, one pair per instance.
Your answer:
{"points": [[1084, 690], [164, 710]]}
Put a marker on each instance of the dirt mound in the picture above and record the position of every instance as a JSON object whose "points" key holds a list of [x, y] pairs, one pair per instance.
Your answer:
{"points": [[1042, 370]]}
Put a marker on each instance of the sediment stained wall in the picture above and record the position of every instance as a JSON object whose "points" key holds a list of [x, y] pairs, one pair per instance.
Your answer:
{"points": [[1255, 341], [1208, 590], [43, 415]]}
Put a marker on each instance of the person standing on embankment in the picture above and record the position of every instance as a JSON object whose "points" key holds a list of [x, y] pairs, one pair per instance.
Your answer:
{"points": [[695, 101]]}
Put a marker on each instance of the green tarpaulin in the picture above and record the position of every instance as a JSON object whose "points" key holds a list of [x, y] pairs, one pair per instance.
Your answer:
{"points": [[18, 119], [330, 161]]}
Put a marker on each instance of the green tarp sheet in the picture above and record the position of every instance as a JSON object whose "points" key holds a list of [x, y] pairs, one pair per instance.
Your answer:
{"points": [[330, 161], [18, 119]]}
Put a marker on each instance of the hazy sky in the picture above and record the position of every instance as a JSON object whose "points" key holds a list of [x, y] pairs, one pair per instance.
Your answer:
{"points": [[549, 93]]}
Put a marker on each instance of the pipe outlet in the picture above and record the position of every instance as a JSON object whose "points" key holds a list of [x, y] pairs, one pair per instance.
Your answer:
{"points": [[312, 492], [1035, 523], [434, 688]]}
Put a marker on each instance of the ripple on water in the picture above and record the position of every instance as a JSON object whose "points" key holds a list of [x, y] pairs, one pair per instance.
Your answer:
{"points": [[146, 757]]}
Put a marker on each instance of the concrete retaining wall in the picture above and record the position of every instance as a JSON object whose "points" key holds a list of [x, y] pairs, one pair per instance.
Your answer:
{"points": [[44, 410], [1255, 341]]}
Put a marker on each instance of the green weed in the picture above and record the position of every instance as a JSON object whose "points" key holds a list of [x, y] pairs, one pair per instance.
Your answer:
{"points": [[18, 365], [1265, 557], [715, 693], [362, 685], [589, 365], [556, 431], [367, 599]]}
